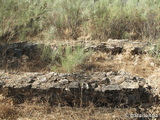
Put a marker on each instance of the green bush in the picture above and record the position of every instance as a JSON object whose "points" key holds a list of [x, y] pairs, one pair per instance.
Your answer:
{"points": [[19, 19], [133, 19], [112, 19], [155, 51], [70, 57], [68, 17], [47, 54]]}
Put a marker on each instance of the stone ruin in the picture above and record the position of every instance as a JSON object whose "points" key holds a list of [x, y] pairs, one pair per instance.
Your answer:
{"points": [[74, 89], [78, 88]]}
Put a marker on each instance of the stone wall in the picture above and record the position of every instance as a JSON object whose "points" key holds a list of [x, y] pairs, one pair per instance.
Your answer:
{"points": [[109, 89]]}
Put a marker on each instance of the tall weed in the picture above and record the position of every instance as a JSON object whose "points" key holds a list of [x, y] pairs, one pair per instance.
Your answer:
{"points": [[70, 57]]}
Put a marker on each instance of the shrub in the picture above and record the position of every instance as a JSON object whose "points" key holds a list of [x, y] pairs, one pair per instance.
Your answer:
{"points": [[155, 51], [134, 19], [47, 54], [70, 19], [20, 19], [70, 57]]}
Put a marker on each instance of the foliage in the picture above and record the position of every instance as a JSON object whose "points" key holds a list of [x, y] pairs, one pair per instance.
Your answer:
{"points": [[65, 19], [114, 19], [68, 16], [70, 57], [19, 19], [155, 51], [47, 54]]}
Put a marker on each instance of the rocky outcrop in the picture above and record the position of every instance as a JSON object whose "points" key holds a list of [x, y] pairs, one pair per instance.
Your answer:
{"points": [[78, 88]]}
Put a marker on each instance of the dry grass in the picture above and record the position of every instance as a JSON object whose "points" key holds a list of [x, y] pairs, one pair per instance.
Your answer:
{"points": [[140, 65], [32, 111], [7, 110]]}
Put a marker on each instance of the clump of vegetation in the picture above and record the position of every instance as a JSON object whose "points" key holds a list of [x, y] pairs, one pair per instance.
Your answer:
{"points": [[132, 19], [155, 50], [20, 19], [63, 58], [68, 18], [47, 54], [70, 57]]}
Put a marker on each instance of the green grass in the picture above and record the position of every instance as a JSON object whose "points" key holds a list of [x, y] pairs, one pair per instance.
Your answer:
{"points": [[68, 17]]}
